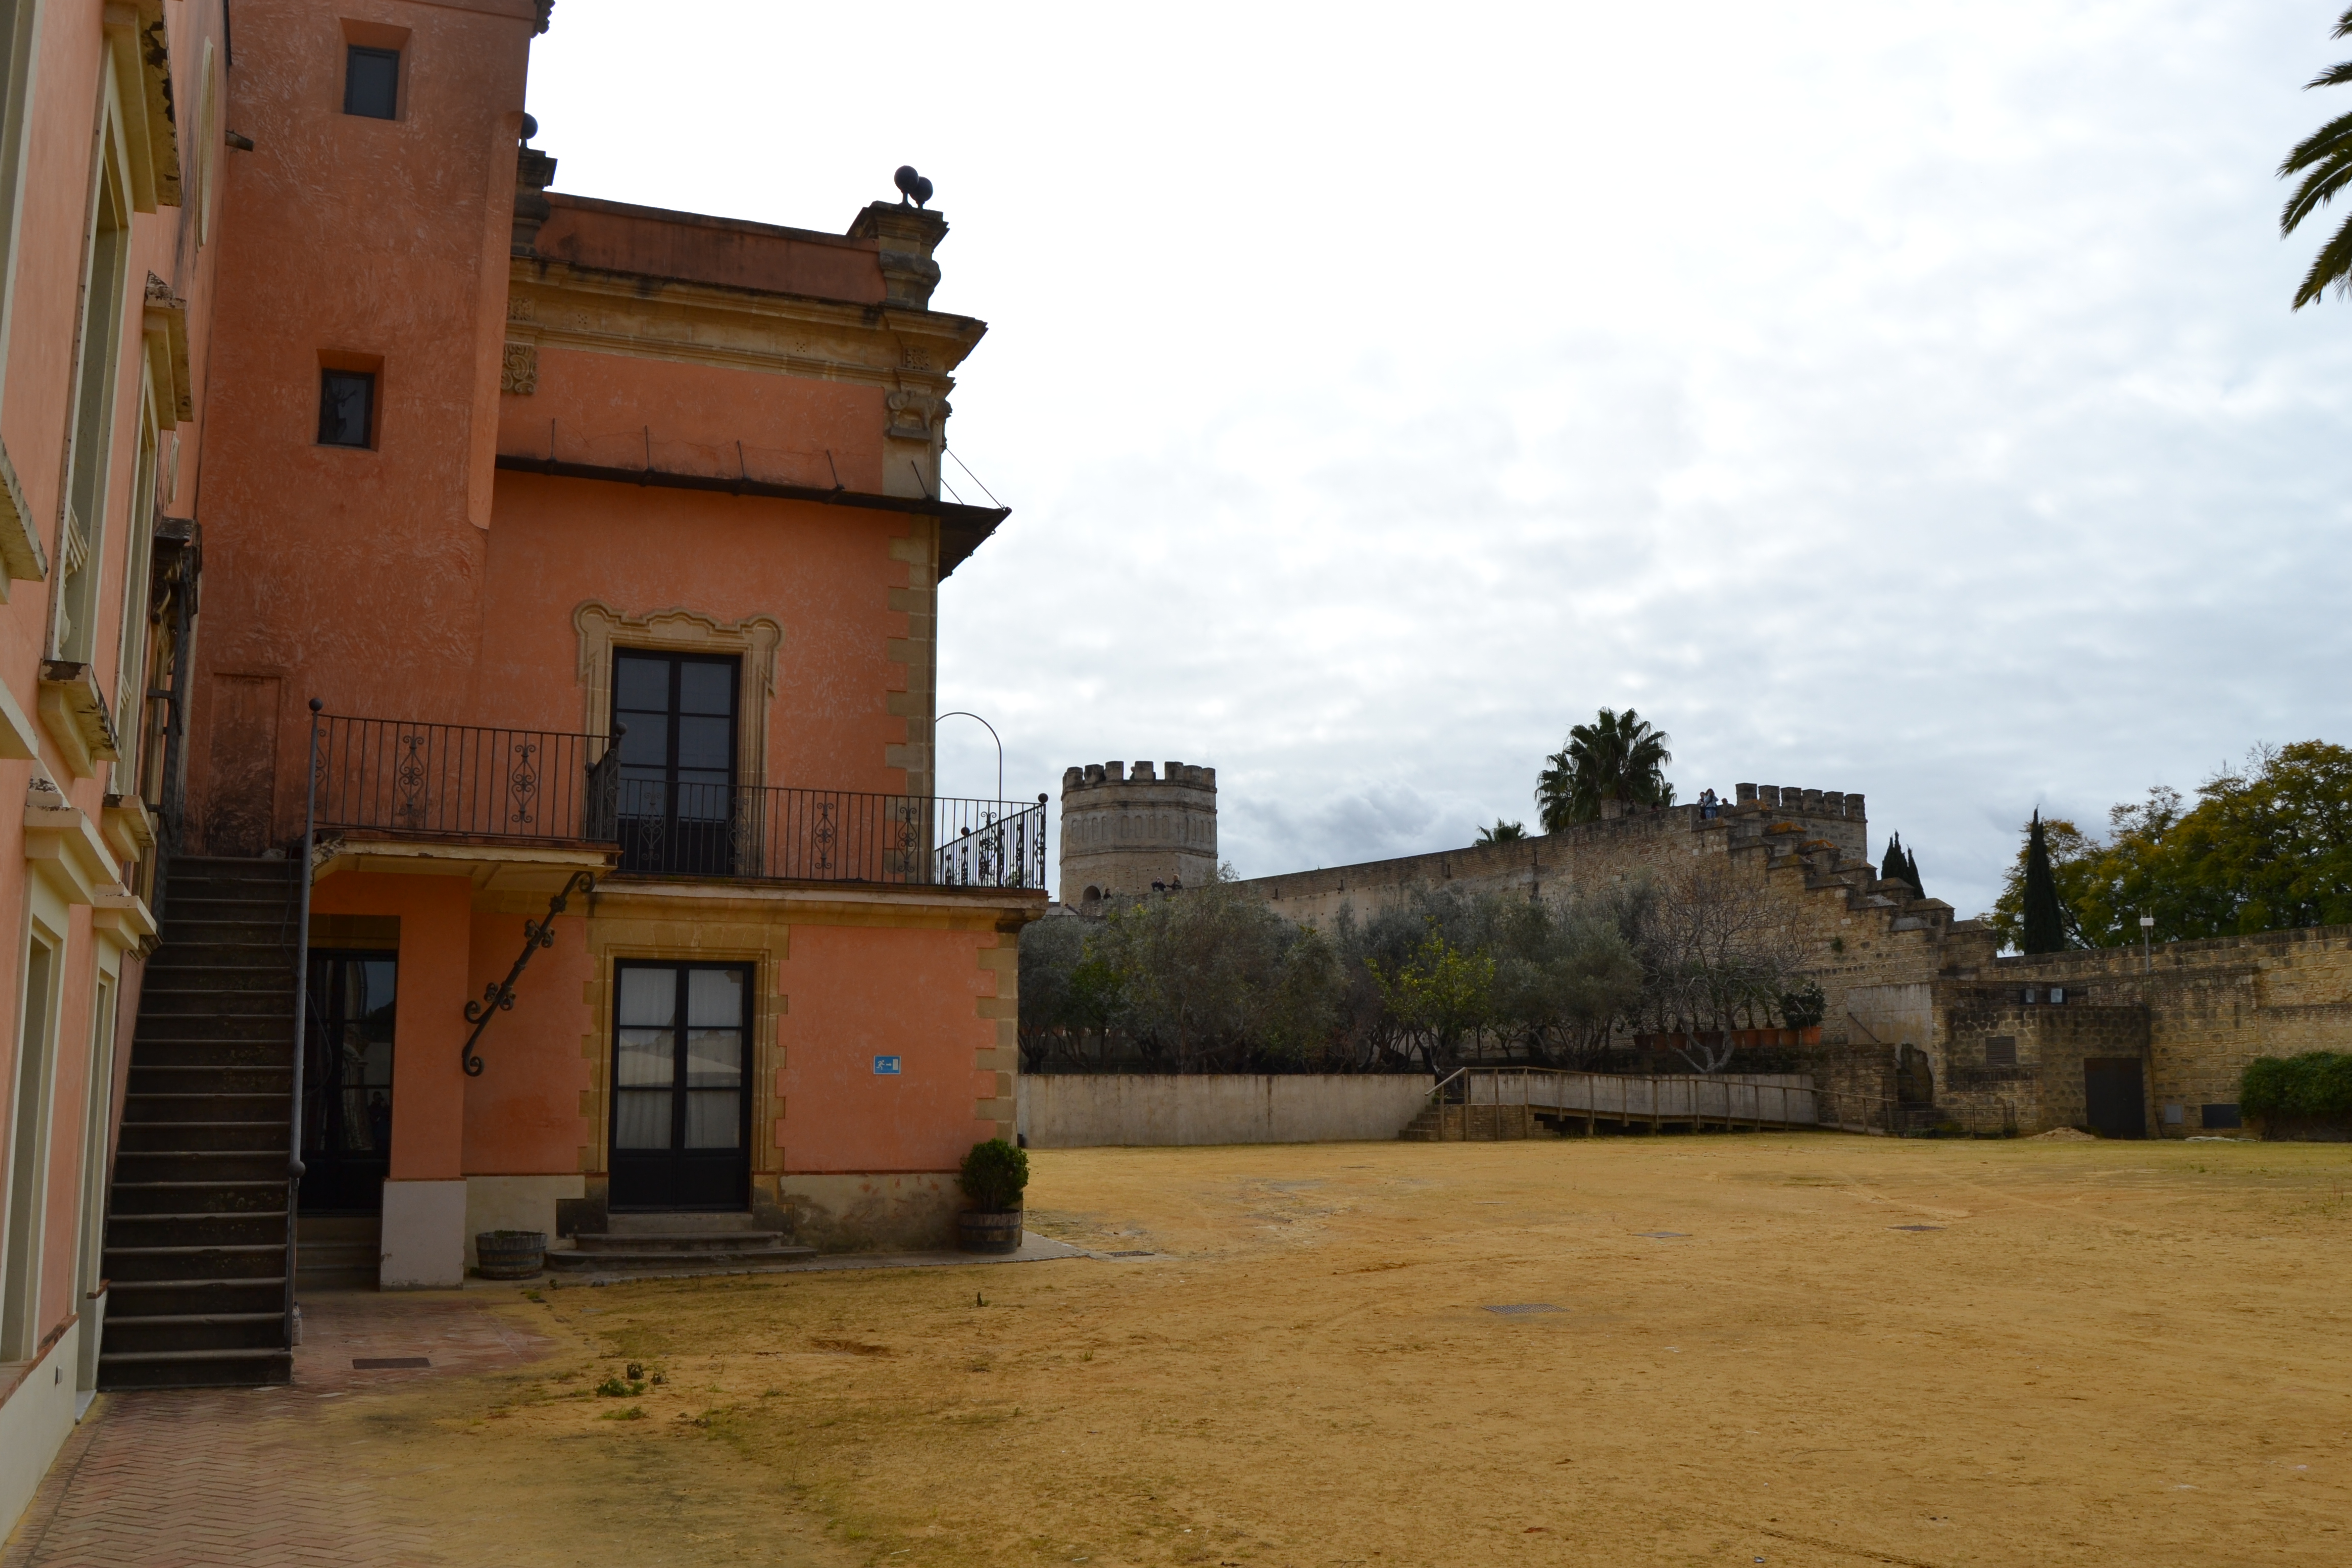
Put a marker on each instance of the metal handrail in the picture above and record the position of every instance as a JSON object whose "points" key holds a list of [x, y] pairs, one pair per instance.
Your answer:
{"points": [[301, 1019], [430, 780]]}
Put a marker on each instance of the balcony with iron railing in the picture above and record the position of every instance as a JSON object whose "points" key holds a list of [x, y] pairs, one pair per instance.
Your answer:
{"points": [[407, 780]]}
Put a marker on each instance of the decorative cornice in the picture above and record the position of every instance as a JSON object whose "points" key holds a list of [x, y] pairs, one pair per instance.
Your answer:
{"points": [[567, 305], [962, 528]]}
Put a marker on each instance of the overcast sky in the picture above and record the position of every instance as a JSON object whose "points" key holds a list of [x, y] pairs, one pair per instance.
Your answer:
{"points": [[1899, 399]]}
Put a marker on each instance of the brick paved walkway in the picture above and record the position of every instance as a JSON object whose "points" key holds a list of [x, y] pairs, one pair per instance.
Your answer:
{"points": [[240, 1478]]}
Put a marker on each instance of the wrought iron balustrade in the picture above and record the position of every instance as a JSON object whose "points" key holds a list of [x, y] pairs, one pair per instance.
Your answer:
{"points": [[780, 832], [462, 780]]}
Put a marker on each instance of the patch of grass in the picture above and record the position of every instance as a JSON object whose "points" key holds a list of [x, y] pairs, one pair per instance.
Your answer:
{"points": [[633, 1413], [614, 1388]]}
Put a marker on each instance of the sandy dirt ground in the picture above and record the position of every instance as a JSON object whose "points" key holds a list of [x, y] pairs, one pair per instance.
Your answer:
{"points": [[1792, 1349]]}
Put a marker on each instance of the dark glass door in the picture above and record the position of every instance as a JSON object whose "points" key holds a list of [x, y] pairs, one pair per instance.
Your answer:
{"points": [[347, 1081], [677, 785], [681, 1087]]}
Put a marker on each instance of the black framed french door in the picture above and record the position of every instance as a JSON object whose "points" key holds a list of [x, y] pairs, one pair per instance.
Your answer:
{"points": [[347, 1080], [681, 1134], [675, 714]]}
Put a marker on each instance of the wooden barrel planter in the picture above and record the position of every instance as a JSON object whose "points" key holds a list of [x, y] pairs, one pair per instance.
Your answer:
{"points": [[509, 1253], [988, 1230]]}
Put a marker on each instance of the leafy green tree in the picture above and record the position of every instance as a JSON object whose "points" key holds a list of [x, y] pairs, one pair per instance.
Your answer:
{"points": [[1618, 757], [2324, 159], [2045, 929], [2267, 846], [1440, 993], [1503, 832], [1564, 975], [2069, 849]]}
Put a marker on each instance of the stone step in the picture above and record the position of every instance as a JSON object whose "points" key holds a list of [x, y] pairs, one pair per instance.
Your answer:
{"points": [[680, 1260], [153, 1137], [141, 1198], [187, 1298], [195, 1369], [200, 1164], [233, 1228], [159, 1109], [677, 1240], [196, 1331], [233, 1261]]}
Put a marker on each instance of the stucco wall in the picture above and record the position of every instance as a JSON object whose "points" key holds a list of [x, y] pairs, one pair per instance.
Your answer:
{"points": [[1082, 1111]]}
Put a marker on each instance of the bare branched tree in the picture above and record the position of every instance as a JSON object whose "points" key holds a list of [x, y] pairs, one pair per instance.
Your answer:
{"points": [[1717, 954]]}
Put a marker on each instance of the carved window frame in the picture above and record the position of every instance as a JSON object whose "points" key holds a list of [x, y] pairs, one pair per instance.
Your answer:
{"points": [[752, 641]]}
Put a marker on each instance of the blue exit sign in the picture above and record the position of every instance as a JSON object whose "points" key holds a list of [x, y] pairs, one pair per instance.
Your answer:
{"points": [[885, 1067]]}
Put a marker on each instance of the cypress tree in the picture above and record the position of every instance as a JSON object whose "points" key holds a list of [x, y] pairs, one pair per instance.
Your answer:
{"points": [[1893, 869], [1911, 869], [2045, 929]]}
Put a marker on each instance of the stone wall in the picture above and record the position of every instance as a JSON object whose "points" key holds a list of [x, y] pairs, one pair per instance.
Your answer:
{"points": [[1079, 1110], [1588, 855], [2196, 1012]]}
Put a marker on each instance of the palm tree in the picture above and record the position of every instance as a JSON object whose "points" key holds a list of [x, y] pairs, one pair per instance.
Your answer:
{"points": [[2324, 159], [1503, 832], [1618, 756]]}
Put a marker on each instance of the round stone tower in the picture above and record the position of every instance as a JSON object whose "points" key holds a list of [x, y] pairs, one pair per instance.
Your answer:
{"points": [[1122, 831]]}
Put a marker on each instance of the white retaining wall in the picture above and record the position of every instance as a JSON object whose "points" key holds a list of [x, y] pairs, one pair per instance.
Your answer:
{"points": [[1079, 1110]]}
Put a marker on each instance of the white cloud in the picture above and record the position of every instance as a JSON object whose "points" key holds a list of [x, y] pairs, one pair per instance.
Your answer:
{"points": [[1889, 399]]}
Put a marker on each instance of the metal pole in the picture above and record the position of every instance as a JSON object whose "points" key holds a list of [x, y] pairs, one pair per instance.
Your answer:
{"points": [[301, 1014], [984, 725]]}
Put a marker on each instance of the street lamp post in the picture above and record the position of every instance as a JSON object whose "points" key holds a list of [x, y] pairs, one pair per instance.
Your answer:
{"points": [[992, 735], [2147, 944]]}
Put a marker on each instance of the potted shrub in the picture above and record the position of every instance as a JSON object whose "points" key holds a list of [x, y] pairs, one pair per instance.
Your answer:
{"points": [[993, 1175]]}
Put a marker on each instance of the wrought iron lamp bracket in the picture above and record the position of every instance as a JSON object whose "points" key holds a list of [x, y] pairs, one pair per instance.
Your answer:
{"points": [[499, 997]]}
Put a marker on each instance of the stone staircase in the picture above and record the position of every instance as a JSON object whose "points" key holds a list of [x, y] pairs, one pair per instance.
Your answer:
{"points": [[675, 1244], [196, 1226], [1471, 1124], [338, 1252]]}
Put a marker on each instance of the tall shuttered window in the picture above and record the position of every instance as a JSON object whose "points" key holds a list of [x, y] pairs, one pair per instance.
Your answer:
{"points": [[97, 361], [16, 99], [29, 1157]]}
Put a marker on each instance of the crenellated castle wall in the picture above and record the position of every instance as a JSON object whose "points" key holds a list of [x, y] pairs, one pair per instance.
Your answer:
{"points": [[1588, 855]]}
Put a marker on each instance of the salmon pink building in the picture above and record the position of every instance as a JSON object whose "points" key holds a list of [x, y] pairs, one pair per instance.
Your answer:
{"points": [[470, 661]]}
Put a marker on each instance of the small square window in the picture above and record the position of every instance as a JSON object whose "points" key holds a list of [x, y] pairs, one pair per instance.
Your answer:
{"points": [[347, 408], [2000, 1051], [2174, 1115], [372, 82]]}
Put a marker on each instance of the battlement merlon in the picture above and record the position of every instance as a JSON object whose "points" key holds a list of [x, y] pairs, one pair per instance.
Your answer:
{"points": [[1794, 801], [1096, 776]]}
